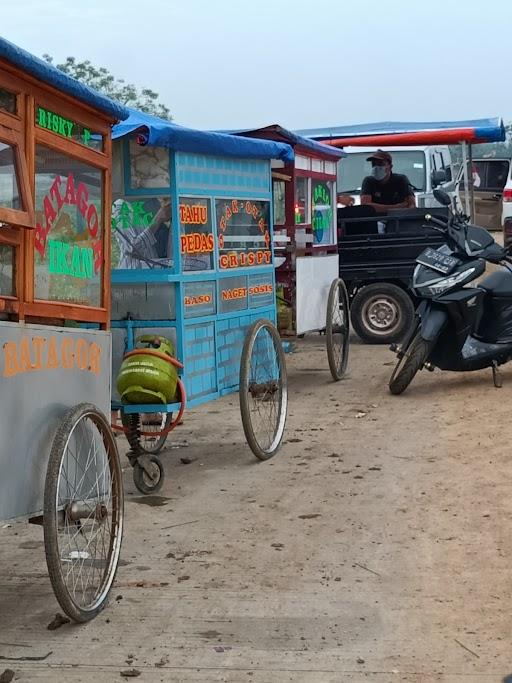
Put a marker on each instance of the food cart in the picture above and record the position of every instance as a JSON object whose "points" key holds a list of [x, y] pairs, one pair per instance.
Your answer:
{"points": [[193, 265], [312, 295], [60, 466]]}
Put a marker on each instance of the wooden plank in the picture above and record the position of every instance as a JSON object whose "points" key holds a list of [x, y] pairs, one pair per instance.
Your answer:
{"points": [[14, 217], [24, 180], [281, 176], [10, 236], [18, 217], [11, 121], [26, 291], [63, 311], [315, 175], [72, 149], [14, 85]]}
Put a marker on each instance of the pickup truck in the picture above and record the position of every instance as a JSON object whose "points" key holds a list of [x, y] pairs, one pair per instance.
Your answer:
{"points": [[426, 167], [377, 255]]}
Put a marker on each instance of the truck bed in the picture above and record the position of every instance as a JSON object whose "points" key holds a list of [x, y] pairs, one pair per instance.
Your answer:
{"points": [[366, 256]]}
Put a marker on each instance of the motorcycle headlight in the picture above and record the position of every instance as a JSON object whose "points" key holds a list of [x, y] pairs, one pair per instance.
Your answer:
{"points": [[449, 282]]}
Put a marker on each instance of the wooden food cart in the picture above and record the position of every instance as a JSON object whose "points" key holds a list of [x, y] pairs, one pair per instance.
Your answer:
{"points": [[59, 461]]}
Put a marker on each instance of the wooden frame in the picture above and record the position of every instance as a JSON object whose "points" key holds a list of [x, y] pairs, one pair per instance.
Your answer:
{"points": [[25, 216], [21, 131]]}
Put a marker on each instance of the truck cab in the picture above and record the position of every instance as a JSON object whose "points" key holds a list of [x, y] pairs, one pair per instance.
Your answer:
{"points": [[427, 167]]}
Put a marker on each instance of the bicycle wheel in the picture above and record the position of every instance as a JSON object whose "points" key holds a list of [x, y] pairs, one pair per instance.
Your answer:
{"points": [[337, 329], [83, 512], [139, 439], [263, 389]]}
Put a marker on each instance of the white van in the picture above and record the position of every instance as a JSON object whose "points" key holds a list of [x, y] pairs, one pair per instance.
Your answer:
{"points": [[427, 167]]}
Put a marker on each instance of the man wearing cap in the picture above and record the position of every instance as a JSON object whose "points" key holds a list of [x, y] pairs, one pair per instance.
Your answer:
{"points": [[384, 190]]}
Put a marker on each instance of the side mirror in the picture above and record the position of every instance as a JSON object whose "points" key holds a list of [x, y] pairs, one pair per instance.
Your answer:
{"points": [[438, 177], [442, 197]]}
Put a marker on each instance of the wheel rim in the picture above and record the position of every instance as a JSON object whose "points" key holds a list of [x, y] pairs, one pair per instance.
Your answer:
{"points": [[338, 329], [381, 315], [266, 391], [89, 514], [152, 478]]}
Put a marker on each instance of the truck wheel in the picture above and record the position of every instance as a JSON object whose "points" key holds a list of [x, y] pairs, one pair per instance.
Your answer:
{"points": [[381, 313]]}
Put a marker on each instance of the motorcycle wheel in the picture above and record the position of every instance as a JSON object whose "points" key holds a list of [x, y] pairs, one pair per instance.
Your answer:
{"points": [[408, 365]]}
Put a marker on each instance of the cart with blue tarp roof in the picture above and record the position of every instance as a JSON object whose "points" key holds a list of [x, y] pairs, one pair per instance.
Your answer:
{"points": [[466, 133], [193, 271], [60, 465], [312, 296]]}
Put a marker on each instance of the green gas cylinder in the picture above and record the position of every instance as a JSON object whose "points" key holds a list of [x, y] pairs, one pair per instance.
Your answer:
{"points": [[146, 376]]}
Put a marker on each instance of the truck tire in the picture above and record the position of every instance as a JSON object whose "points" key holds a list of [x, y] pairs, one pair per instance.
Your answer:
{"points": [[381, 313]]}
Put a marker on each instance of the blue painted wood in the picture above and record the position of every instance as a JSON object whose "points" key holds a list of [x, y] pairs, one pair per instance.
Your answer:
{"points": [[143, 323], [134, 276], [210, 346]]}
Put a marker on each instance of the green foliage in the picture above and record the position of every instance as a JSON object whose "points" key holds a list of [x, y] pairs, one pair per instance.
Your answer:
{"points": [[116, 88]]}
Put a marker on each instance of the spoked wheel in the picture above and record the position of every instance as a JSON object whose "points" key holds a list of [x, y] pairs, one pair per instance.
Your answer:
{"points": [[138, 426], [83, 512], [337, 329], [412, 359], [263, 389]]}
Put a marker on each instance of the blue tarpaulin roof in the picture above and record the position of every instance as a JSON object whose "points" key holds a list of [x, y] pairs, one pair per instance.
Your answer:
{"points": [[473, 130], [161, 133], [52, 76], [288, 136]]}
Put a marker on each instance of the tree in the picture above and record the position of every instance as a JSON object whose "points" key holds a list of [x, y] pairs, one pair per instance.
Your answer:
{"points": [[116, 88]]}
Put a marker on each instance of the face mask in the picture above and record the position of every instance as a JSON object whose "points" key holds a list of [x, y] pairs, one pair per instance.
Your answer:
{"points": [[379, 172]]}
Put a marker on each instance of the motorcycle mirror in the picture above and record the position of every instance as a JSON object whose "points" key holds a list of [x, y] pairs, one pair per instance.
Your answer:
{"points": [[442, 197]]}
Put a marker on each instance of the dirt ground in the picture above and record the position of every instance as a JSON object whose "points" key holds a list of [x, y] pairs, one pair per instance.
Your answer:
{"points": [[375, 546]]}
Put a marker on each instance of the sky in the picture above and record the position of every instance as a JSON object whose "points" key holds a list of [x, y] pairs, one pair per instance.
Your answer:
{"points": [[222, 64]]}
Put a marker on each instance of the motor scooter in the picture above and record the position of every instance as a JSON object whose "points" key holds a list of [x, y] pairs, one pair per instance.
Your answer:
{"points": [[457, 326]]}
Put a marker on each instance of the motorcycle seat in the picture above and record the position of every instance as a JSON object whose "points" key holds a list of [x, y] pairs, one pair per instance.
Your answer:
{"points": [[498, 284]]}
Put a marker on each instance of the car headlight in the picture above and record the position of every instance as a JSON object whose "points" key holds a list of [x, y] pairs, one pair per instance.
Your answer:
{"points": [[449, 282]]}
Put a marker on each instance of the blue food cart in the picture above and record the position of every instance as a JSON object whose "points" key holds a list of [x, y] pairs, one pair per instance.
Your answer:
{"points": [[193, 264]]}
